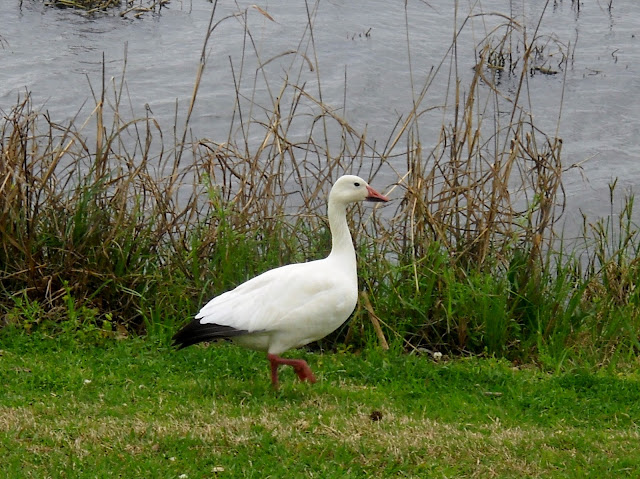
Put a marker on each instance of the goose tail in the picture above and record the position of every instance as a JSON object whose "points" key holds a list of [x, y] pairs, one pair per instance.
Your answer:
{"points": [[196, 332]]}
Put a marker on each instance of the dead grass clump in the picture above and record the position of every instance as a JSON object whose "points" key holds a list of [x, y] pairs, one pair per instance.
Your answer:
{"points": [[74, 216], [135, 8], [492, 180]]}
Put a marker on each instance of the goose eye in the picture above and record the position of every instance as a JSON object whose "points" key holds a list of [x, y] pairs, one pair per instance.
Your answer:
{"points": [[356, 184]]}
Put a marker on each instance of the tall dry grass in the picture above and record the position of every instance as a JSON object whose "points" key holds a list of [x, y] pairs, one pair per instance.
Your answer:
{"points": [[114, 218]]}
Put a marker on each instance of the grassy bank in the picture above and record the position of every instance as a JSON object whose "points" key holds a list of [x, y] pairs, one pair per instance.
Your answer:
{"points": [[109, 224], [105, 408]]}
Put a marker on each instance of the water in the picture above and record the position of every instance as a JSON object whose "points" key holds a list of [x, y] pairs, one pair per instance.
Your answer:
{"points": [[363, 69]]}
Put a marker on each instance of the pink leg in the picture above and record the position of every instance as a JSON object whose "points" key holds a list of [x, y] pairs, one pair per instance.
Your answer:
{"points": [[300, 366]]}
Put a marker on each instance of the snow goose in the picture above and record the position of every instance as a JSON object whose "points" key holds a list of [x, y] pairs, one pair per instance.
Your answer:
{"points": [[293, 305]]}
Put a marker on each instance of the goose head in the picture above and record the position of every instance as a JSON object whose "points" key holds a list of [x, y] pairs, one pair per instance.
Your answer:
{"points": [[351, 189]]}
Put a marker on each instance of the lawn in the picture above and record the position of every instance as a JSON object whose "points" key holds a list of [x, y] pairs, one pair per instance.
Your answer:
{"points": [[136, 408]]}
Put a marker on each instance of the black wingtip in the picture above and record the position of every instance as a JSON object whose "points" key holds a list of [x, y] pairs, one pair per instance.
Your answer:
{"points": [[195, 332]]}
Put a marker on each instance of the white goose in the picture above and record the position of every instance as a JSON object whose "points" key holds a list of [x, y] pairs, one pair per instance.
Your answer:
{"points": [[293, 305]]}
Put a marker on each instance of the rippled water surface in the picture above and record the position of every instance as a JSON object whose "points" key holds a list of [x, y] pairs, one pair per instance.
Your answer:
{"points": [[363, 52]]}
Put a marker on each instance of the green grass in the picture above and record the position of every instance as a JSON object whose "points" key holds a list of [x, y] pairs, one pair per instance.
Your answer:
{"points": [[136, 408]]}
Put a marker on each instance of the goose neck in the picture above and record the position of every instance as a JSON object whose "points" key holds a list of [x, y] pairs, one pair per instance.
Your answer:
{"points": [[341, 243]]}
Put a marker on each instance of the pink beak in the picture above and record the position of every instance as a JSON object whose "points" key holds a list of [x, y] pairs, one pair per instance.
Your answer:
{"points": [[375, 196]]}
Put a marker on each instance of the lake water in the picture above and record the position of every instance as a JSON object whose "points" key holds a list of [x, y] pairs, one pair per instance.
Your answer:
{"points": [[362, 51]]}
